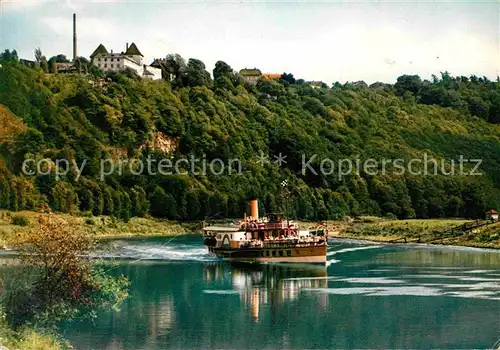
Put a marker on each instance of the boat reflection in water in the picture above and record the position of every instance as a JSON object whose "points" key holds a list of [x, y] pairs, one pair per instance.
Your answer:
{"points": [[262, 285]]}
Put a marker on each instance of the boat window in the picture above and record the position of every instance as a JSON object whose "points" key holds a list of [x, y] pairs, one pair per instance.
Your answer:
{"points": [[274, 252], [261, 253], [267, 252], [288, 253], [281, 253]]}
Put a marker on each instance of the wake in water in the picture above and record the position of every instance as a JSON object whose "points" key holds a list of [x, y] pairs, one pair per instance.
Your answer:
{"points": [[346, 250], [353, 249], [158, 250]]}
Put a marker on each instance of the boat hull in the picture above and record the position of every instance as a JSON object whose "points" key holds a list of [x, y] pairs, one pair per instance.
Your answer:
{"points": [[313, 254]]}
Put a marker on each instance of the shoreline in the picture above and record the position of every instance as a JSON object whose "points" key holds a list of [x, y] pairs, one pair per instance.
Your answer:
{"points": [[415, 231], [438, 232], [381, 240]]}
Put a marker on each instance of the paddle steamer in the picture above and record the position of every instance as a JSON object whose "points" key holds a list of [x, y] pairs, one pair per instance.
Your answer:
{"points": [[269, 239]]}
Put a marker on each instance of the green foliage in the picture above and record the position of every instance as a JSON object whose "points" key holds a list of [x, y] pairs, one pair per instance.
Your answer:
{"points": [[66, 117], [7, 56], [20, 220], [59, 281]]}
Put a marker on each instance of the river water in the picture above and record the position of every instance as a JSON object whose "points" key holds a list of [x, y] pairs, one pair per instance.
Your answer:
{"points": [[369, 296]]}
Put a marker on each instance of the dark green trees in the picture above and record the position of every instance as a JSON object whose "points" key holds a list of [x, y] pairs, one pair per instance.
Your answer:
{"points": [[192, 117]]}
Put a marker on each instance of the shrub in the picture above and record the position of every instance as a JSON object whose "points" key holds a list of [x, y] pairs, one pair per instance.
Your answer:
{"points": [[390, 216], [59, 281], [89, 221], [20, 220]]}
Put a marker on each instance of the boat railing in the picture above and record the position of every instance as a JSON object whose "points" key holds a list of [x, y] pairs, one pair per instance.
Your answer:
{"points": [[281, 244], [253, 226], [292, 244]]}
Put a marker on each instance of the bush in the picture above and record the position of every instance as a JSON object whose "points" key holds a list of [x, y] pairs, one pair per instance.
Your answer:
{"points": [[20, 220], [89, 221], [390, 216], [59, 281]]}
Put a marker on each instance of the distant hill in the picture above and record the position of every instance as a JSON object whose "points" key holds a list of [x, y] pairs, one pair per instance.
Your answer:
{"points": [[82, 118]]}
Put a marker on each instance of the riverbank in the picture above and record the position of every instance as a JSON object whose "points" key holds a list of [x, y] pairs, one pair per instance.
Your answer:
{"points": [[430, 231], [29, 339], [100, 226]]}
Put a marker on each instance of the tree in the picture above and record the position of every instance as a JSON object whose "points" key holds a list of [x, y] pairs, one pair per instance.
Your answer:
{"points": [[288, 77], [126, 206], [60, 58], [411, 83], [86, 200], [64, 198], [109, 205], [174, 65], [52, 67], [44, 65], [82, 64], [7, 55], [222, 69], [38, 55], [195, 74], [142, 205], [159, 202], [60, 281], [4, 192]]}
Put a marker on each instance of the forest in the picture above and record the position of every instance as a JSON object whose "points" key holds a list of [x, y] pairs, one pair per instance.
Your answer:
{"points": [[93, 116]]}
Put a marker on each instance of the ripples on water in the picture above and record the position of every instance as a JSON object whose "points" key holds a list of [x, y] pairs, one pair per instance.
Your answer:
{"points": [[368, 296]]}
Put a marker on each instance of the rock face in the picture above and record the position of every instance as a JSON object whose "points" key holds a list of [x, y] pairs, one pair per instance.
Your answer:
{"points": [[161, 142]]}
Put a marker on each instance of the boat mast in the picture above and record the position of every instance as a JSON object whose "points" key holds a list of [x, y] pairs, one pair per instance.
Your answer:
{"points": [[284, 183]]}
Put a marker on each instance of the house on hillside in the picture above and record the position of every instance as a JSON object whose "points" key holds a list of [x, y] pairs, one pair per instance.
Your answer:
{"points": [[272, 75], [251, 75], [316, 84], [27, 63], [492, 215], [66, 68], [160, 63], [117, 62]]}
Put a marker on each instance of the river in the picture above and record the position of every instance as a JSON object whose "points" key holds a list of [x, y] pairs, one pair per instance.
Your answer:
{"points": [[369, 296]]}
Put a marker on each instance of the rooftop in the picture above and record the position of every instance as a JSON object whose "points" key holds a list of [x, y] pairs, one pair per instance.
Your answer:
{"points": [[100, 50], [246, 72], [133, 50]]}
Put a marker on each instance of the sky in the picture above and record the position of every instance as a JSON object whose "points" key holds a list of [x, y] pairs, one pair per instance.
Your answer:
{"points": [[323, 40]]}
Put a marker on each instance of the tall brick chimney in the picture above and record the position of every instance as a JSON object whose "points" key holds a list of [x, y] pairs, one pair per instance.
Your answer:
{"points": [[74, 37]]}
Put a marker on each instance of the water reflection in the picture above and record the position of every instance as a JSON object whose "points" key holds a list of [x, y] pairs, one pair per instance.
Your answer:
{"points": [[373, 297], [271, 284]]}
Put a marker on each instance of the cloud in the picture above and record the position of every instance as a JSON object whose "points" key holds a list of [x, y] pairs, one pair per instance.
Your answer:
{"points": [[28, 5], [90, 28], [19, 5]]}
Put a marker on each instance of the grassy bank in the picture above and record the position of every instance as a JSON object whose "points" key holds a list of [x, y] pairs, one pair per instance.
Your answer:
{"points": [[13, 228], [432, 231], [28, 339], [444, 231]]}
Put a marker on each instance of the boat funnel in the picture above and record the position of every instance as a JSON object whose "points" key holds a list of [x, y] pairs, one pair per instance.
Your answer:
{"points": [[254, 209]]}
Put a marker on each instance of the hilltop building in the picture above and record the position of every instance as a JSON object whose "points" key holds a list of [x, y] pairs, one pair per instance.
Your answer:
{"points": [[158, 63], [251, 75], [272, 75], [316, 84], [116, 62], [492, 215]]}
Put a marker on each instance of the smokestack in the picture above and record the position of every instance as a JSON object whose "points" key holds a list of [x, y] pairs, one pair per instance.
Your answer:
{"points": [[74, 37], [254, 209]]}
